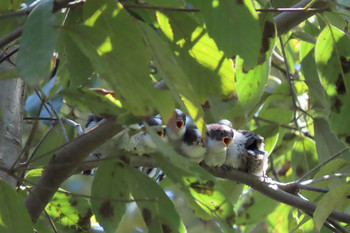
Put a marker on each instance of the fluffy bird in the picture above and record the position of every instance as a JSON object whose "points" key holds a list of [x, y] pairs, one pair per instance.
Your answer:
{"points": [[192, 146], [219, 137], [175, 129], [142, 141], [92, 121], [246, 153]]}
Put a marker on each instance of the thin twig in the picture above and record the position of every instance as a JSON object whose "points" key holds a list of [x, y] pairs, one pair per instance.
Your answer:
{"points": [[321, 164], [59, 121], [76, 126], [273, 122], [39, 118], [23, 12], [300, 9], [39, 144], [288, 74], [128, 6], [43, 100], [11, 36], [325, 177]]}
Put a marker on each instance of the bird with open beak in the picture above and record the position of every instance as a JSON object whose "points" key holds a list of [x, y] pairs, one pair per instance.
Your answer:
{"points": [[246, 153], [175, 128], [142, 142], [218, 139]]}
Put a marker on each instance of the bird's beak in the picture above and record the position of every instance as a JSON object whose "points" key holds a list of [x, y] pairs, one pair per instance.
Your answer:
{"points": [[160, 133], [227, 141], [180, 124]]}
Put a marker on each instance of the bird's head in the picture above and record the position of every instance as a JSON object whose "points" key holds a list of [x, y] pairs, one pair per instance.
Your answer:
{"points": [[220, 134]]}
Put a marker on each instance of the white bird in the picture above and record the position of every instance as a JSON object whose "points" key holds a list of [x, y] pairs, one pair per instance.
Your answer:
{"points": [[192, 146], [142, 142], [175, 129], [219, 137], [246, 153]]}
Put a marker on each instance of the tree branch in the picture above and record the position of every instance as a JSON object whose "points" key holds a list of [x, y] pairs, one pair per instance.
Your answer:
{"points": [[284, 21], [287, 20], [281, 192], [273, 191], [64, 163]]}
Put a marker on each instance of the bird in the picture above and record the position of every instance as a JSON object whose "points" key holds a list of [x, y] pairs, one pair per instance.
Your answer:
{"points": [[246, 153], [192, 145], [175, 128], [142, 142], [92, 121], [218, 138]]}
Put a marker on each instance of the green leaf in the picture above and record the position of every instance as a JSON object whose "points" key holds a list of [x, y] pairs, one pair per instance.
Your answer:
{"points": [[72, 213], [279, 105], [78, 63], [209, 71], [332, 54], [10, 73], [160, 214], [331, 200], [326, 142], [125, 69], [6, 6], [14, 216], [174, 76], [91, 101], [254, 207], [196, 183], [304, 156], [270, 134], [320, 103], [48, 145], [37, 44], [111, 193], [277, 220], [234, 25]]}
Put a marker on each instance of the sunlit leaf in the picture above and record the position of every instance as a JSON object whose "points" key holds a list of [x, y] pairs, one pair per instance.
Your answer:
{"points": [[331, 200], [254, 207], [125, 69], [278, 106], [72, 213], [176, 80], [326, 142], [234, 25], [207, 68], [320, 103], [332, 55]]}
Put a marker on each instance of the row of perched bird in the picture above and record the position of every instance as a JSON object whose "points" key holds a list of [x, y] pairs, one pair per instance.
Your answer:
{"points": [[222, 146]]}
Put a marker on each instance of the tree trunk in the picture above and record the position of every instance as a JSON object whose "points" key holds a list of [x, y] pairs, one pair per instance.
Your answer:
{"points": [[11, 115]]}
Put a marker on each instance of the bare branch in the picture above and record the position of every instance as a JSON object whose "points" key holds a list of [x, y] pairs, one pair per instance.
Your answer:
{"points": [[322, 164], [273, 191], [287, 20], [64, 163]]}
